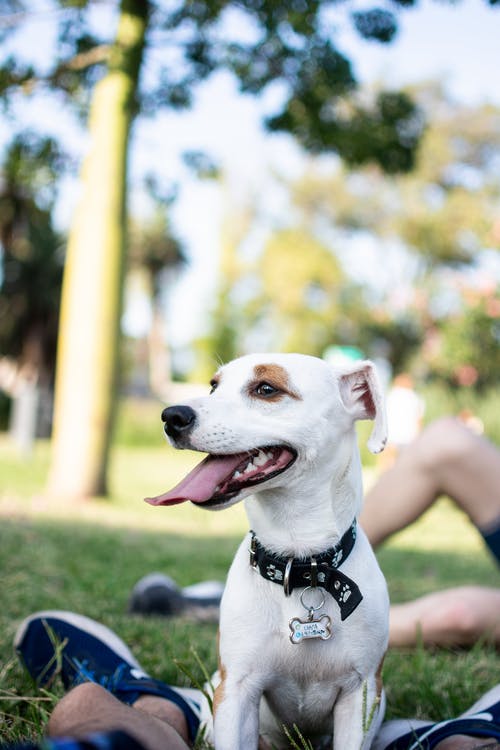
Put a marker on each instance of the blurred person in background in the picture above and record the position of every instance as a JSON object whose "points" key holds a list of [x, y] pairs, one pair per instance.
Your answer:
{"points": [[447, 458], [405, 411]]}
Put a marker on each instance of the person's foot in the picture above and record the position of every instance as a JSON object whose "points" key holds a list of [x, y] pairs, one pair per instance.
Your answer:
{"points": [[78, 649], [157, 594]]}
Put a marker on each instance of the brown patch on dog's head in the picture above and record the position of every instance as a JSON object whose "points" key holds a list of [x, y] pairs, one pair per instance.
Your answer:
{"points": [[275, 376]]}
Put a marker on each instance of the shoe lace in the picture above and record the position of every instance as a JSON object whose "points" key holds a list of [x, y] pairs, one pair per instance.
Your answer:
{"points": [[108, 681]]}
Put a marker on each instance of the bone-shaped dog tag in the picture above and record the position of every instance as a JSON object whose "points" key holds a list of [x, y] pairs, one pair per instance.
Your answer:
{"points": [[310, 628]]}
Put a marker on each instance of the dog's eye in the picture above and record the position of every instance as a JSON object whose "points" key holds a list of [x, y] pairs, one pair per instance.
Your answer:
{"points": [[265, 390], [213, 385]]}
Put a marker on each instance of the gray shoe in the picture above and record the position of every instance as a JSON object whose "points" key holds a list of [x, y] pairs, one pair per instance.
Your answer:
{"points": [[158, 594]]}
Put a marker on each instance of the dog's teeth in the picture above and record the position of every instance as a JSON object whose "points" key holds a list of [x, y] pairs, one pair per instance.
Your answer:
{"points": [[237, 474], [269, 455], [250, 467], [260, 459]]}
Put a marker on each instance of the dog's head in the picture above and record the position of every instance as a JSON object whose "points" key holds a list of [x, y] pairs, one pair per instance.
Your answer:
{"points": [[267, 415]]}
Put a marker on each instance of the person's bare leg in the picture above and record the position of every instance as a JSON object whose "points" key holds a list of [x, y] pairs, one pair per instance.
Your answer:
{"points": [[464, 742], [446, 459], [155, 722], [454, 617]]}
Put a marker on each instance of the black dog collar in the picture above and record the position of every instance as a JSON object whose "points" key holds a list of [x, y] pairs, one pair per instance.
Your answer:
{"points": [[318, 570]]}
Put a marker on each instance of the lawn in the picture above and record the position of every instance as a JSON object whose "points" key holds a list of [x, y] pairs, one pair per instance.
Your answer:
{"points": [[88, 558]]}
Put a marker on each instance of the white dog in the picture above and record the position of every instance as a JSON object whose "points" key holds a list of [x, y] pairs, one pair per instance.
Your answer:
{"points": [[304, 616]]}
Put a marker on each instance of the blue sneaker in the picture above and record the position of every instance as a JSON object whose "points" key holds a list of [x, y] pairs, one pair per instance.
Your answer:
{"points": [[78, 649]]}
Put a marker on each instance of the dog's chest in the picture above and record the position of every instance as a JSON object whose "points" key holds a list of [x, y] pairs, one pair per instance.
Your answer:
{"points": [[260, 624], [313, 669], [257, 629], [305, 703]]}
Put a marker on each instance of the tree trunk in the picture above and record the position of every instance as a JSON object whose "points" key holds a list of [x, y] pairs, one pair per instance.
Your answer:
{"points": [[23, 416], [93, 277], [31, 394], [160, 372]]}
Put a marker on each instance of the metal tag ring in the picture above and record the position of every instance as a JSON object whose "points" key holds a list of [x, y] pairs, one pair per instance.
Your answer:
{"points": [[286, 580], [309, 607]]}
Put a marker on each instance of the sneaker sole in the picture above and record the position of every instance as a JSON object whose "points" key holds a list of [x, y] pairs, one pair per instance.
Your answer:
{"points": [[90, 626]]}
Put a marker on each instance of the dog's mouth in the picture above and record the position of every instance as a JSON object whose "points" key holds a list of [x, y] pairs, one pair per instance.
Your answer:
{"points": [[218, 478]]}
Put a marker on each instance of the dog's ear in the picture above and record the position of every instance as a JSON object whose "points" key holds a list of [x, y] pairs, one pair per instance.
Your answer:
{"points": [[361, 395]]}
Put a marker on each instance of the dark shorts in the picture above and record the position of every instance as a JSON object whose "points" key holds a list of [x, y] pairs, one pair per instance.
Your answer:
{"points": [[97, 741], [492, 538]]}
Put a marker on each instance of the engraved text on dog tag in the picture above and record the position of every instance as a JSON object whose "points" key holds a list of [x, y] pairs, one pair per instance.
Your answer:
{"points": [[303, 629]]}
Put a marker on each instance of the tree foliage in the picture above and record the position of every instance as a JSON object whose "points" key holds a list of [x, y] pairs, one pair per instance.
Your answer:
{"points": [[444, 211], [468, 351], [31, 254], [290, 44], [155, 254], [292, 296], [442, 214], [300, 295], [154, 248]]}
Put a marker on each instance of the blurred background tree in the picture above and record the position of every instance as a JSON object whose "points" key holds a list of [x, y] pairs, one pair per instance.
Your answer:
{"points": [[437, 219], [31, 264], [291, 44], [228, 316], [300, 291], [295, 293], [115, 79], [469, 351], [155, 256], [440, 217]]}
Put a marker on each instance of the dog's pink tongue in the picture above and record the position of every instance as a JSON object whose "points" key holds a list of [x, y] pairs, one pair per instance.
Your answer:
{"points": [[199, 485]]}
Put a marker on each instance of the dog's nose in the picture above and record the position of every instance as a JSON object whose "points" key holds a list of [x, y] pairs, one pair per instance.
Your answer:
{"points": [[178, 420]]}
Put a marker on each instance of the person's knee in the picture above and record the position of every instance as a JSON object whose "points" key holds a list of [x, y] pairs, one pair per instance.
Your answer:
{"points": [[445, 442], [455, 621], [76, 709]]}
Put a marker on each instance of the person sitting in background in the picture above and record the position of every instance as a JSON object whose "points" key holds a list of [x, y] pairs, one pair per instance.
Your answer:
{"points": [[447, 458], [405, 411], [112, 704]]}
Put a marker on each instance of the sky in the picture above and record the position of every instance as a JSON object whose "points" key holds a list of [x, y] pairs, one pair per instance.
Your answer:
{"points": [[456, 44]]}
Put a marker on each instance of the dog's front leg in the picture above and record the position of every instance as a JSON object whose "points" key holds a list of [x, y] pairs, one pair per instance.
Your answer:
{"points": [[357, 716], [236, 715]]}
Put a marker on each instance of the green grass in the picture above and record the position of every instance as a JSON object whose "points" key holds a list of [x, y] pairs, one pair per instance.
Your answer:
{"points": [[88, 558]]}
